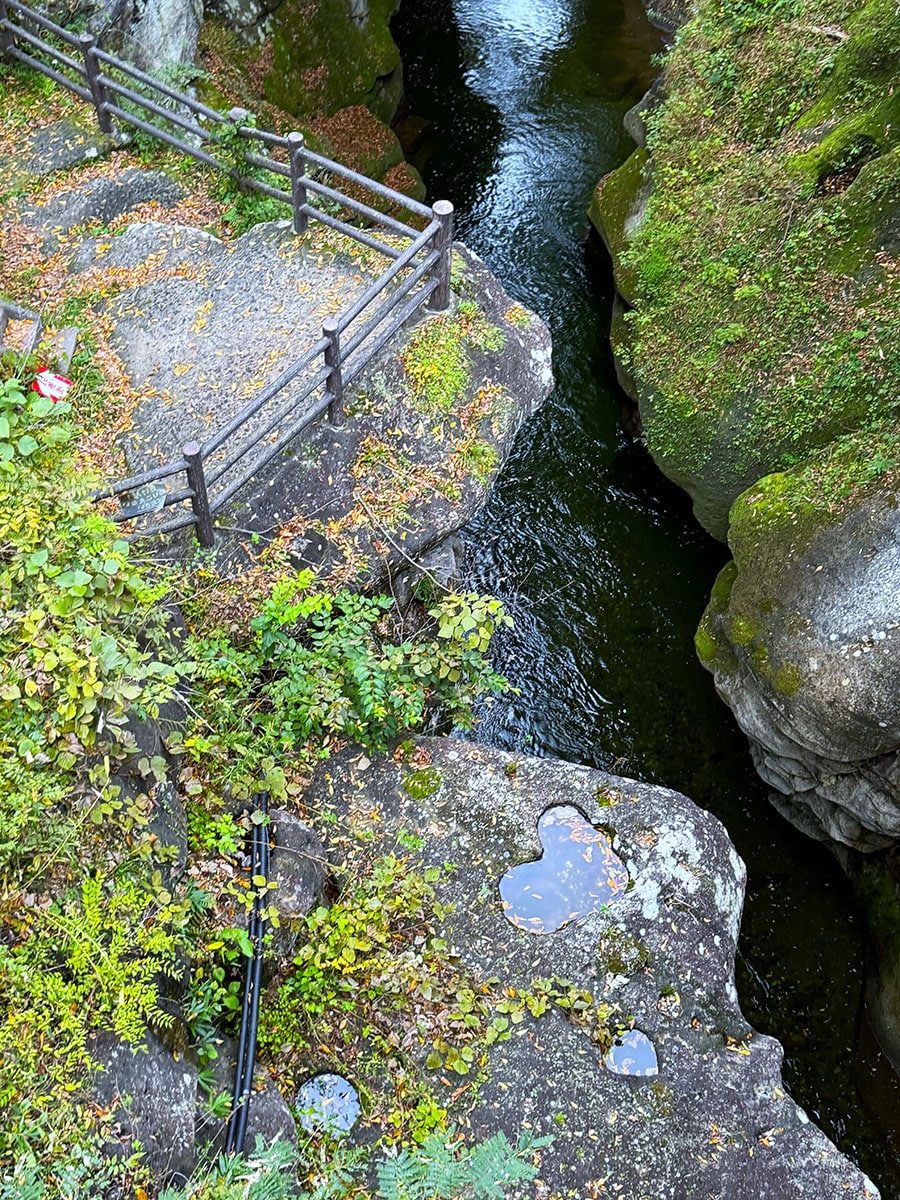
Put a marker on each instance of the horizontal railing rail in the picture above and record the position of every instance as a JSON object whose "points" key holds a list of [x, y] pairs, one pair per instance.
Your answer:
{"points": [[306, 182]]}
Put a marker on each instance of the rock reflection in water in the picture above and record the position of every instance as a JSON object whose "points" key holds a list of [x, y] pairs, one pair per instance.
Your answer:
{"points": [[632, 1054], [327, 1104], [577, 874]]}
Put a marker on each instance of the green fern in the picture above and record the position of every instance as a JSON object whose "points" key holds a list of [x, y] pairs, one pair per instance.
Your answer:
{"points": [[268, 1173], [443, 1169]]}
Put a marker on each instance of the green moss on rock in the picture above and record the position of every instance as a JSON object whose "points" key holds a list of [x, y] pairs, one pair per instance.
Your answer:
{"points": [[743, 630], [788, 679], [761, 271], [423, 783], [705, 645], [621, 952], [615, 200], [325, 60]]}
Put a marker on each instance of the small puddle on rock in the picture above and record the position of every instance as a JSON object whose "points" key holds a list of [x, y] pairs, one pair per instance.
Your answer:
{"points": [[577, 874], [327, 1104], [632, 1054]]}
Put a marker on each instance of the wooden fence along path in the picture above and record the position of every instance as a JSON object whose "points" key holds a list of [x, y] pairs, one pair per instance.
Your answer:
{"points": [[416, 273]]}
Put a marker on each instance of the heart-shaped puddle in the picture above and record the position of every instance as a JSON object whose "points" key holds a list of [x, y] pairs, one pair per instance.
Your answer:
{"points": [[632, 1054], [579, 872]]}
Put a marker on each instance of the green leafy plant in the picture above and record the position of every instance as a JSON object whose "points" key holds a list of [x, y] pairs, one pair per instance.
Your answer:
{"points": [[444, 1168], [89, 924], [437, 361], [246, 205], [361, 956], [319, 666], [65, 576], [267, 1173]]}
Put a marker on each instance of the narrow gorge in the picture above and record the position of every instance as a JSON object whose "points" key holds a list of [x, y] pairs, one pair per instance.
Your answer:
{"points": [[634, 930]]}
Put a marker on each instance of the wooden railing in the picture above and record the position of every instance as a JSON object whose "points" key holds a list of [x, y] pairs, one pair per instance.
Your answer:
{"points": [[285, 169]]}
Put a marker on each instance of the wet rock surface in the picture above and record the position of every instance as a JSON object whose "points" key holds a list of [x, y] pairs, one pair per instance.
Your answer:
{"points": [[715, 1121]]}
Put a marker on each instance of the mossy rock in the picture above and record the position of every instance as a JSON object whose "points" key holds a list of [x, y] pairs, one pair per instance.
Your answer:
{"points": [[358, 139], [801, 635], [617, 209], [326, 57], [763, 302], [621, 952]]}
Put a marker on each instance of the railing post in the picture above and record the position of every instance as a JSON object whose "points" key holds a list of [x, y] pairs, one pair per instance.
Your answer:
{"points": [[7, 37], [92, 71], [335, 381], [238, 117], [199, 497], [298, 181], [440, 297]]}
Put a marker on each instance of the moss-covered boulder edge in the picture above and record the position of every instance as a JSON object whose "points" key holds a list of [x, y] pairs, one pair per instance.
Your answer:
{"points": [[755, 237], [329, 68]]}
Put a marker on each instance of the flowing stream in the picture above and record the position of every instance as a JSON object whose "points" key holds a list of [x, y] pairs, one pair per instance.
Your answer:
{"points": [[598, 557]]}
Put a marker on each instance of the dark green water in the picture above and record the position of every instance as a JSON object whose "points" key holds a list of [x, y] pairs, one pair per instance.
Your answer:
{"points": [[596, 556]]}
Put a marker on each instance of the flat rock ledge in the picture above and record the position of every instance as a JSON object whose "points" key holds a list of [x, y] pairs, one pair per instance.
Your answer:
{"points": [[201, 326], [716, 1122]]}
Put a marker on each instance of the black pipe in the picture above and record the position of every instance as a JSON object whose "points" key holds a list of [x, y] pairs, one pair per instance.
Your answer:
{"points": [[244, 1110], [236, 1127], [242, 1042]]}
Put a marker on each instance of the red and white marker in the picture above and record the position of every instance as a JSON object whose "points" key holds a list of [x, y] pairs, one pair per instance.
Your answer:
{"points": [[54, 387]]}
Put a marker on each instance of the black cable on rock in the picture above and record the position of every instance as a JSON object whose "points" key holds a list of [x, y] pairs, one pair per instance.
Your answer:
{"points": [[236, 1129]]}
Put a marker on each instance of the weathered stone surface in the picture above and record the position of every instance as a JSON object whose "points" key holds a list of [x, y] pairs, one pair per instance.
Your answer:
{"points": [[177, 245], [154, 1097], [803, 638], [158, 36], [635, 119], [517, 374], [102, 199], [55, 148], [169, 825], [219, 321], [716, 1122], [297, 867], [250, 19], [441, 566], [163, 34], [150, 735]]}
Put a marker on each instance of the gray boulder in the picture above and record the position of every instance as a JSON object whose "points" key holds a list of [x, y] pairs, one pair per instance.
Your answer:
{"points": [[163, 36], [715, 1122], [153, 1096], [297, 868], [803, 638], [213, 323], [56, 147]]}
